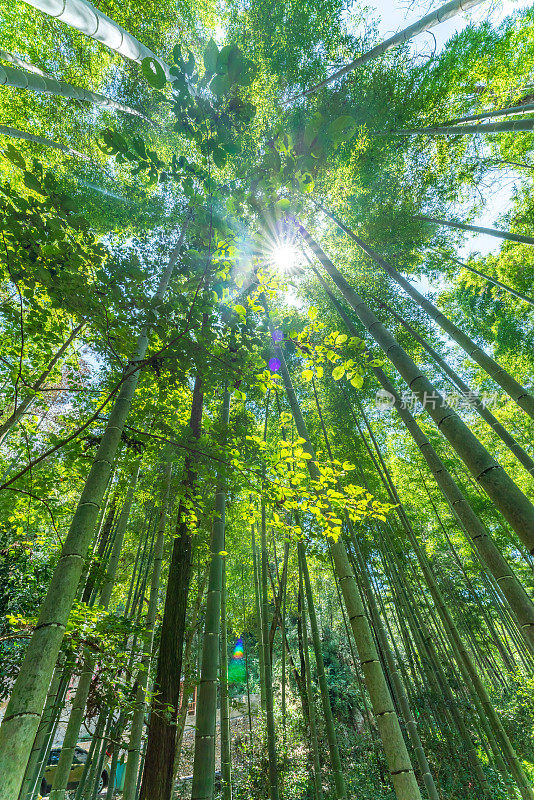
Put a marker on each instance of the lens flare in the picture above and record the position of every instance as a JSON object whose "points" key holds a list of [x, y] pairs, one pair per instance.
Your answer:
{"points": [[283, 256], [236, 667]]}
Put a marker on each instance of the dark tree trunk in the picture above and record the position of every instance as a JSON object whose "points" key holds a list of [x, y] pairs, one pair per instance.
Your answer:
{"points": [[158, 773]]}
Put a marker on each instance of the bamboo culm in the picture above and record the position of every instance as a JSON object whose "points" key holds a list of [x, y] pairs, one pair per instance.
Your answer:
{"points": [[427, 22], [205, 731], [399, 691], [17, 79], [474, 400], [89, 20], [28, 696], [138, 719], [335, 760], [397, 757], [317, 777], [514, 389], [226, 763], [508, 498], [72, 732]]}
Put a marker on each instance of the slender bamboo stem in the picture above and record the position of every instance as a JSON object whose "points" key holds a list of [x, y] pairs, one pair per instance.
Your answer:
{"points": [[204, 758]]}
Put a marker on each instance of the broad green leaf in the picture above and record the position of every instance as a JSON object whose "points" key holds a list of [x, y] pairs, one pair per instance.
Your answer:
{"points": [[312, 128], [357, 381], [235, 64], [153, 72], [219, 157], [338, 372], [312, 313], [211, 54], [190, 65], [306, 182], [342, 128], [283, 204], [14, 156], [222, 59], [31, 182], [220, 85]]}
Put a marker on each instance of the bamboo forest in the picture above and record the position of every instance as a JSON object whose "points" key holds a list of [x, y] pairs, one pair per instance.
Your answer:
{"points": [[266, 399]]}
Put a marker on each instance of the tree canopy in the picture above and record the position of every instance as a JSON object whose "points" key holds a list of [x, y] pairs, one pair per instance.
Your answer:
{"points": [[266, 402]]}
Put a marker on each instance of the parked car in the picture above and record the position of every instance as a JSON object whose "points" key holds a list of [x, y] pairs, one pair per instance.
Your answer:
{"points": [[78, 761]]}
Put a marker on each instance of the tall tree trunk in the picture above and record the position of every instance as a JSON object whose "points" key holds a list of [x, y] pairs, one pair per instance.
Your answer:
{"points": [[17, 79], [28, 697], [463, 226], [54, 703], [506, 655], [138, 719], [158, 770], [508, 498], [514, 389], [428, 653], [226, 762], [490, 127], [465, 661], [444, 12], [206, 728], [89, 20], [257, 605], [72, 732], [265, 646], [22, 64], [498, 112], [14, 133], [314, 742], [339, 780], [477, 534], [189, 681], [397, 757], [398, 687], [472, 526], [267, 664], [474, 400], [247, 673], [399, 692], [504, 286]]}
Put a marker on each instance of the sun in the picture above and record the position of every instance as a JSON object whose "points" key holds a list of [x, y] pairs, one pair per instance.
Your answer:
{"points": [[283, 256]]}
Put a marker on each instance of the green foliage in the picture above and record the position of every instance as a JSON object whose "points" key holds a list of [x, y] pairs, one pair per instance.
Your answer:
{"points": [[87, 243]]}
